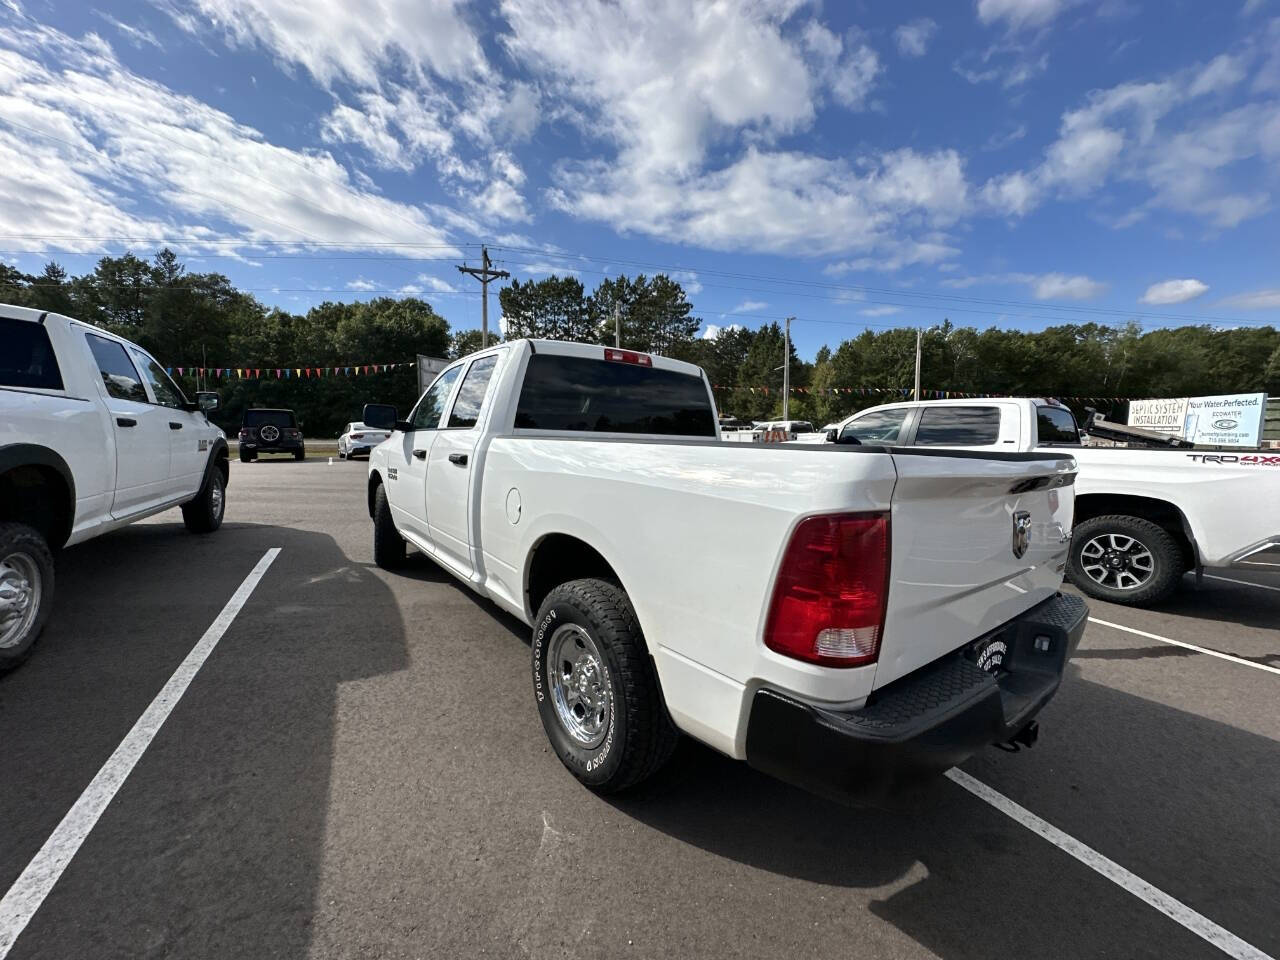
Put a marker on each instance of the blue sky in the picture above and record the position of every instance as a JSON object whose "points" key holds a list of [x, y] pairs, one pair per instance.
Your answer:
{"points": [[1010, 162]]}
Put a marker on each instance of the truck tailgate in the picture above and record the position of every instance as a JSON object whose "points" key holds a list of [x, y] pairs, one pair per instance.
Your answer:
{"points": [[959, 520]]}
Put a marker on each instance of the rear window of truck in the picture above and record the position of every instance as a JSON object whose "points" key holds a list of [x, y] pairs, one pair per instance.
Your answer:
{"points": [[958, 427], [602, 396], [27, 359], [1056, 427]]}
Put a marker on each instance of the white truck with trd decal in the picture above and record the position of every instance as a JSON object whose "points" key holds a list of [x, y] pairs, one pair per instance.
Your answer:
{"points": [[93, 435], [904, 608], [1143, 517]]}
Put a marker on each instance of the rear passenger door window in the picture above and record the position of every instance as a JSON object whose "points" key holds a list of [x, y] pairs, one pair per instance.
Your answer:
{"points": [[119, 375], [958, 427], [470, 400]]}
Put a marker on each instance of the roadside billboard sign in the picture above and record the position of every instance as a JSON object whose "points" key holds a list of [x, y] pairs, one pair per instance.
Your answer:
{"points": [[1230, 420], [428, 369], [1233, 421], [1161, 416]]}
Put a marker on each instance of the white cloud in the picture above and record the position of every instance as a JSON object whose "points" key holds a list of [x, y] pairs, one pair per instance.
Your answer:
{"points": [[85, 137], [1173, 291], [687, 279], [1256, 300], [712, 331], [998, 141], [1220, 74], [410, 290], [1057, 286], [913, 37], [1190, 160], [901, 255], [1018, 14], [1043, 286], [774, 201], [138, 36], [361, 284], [337, 40], [881, 311], [435, 284], [749, 306]]}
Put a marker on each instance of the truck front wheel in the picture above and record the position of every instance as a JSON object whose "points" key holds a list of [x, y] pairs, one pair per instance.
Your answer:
{"points": [[596, 689], [388, 545], [26, 591], [1124, 559], [204, 513]]}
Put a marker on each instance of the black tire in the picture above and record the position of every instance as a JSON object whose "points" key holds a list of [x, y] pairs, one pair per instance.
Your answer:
{"points": [[246, 457], [639, 737], [23, 553], [204, 514], [388, 545], [300, 454], [341, 455], [1167, 561]]}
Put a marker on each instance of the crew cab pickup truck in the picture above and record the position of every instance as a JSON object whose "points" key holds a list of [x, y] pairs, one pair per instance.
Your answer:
{"points": [[93, 435], [904, 608], [1142, 517]]}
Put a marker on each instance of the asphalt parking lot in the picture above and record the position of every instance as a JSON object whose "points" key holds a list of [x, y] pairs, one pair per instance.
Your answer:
{"points": [[358, 770]]}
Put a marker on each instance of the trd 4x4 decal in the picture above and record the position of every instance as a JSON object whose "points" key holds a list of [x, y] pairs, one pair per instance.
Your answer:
{"points": [[1259, 459]]}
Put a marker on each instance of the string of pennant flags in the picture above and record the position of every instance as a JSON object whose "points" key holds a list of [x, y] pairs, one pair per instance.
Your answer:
{"points": [[904, 392], [288, 373]]}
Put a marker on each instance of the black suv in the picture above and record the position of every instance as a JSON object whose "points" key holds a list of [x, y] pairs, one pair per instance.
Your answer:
{"points": [[270, 431]]}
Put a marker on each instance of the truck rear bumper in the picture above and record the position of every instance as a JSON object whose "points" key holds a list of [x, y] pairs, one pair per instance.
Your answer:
{"points": [[924, 723]]}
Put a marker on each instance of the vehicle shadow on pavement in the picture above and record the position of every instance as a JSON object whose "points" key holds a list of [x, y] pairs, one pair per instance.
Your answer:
{"points": [[214, 845], [1224, 602], [965, 881]]}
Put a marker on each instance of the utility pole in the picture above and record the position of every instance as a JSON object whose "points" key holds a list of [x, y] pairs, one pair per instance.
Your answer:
{"points": [[484, 273], [916, 394], [617, 324], [786, 369]]}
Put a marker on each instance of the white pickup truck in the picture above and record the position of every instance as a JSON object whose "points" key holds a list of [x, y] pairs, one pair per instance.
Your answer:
{"points": [[1143, 517], [904, 608], [93, 435]]}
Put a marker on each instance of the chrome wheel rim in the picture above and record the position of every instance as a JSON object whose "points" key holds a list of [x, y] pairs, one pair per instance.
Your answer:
{"points": [[215, 497], [1117, 562], [20, 591], [579, 684]]}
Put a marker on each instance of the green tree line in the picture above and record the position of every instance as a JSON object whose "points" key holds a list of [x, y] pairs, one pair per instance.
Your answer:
{"points": [[188, 319]]}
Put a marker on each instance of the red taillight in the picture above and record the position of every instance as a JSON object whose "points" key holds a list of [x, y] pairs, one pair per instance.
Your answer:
{"points": [[829, 599], [628, 356], [245, 433], [357, 436], [292, 433]]}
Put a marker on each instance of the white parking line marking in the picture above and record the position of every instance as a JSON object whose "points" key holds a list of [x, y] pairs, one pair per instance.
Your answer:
{"points": [[1190, 646], [1176, 910], [29, 890], [1243, 583]]}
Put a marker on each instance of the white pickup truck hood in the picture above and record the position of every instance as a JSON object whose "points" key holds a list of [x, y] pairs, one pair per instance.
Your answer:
{"points": [[954, 572]]}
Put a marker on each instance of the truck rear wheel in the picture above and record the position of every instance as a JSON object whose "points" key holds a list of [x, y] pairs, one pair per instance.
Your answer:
{"points": [[26, 591], [388, 545], [596, 688], [1124, 559]]}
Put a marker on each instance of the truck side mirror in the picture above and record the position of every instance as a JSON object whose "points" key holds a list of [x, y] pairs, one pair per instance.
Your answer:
{"points": [[379, 416], [832, 435], [208, 401]]}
